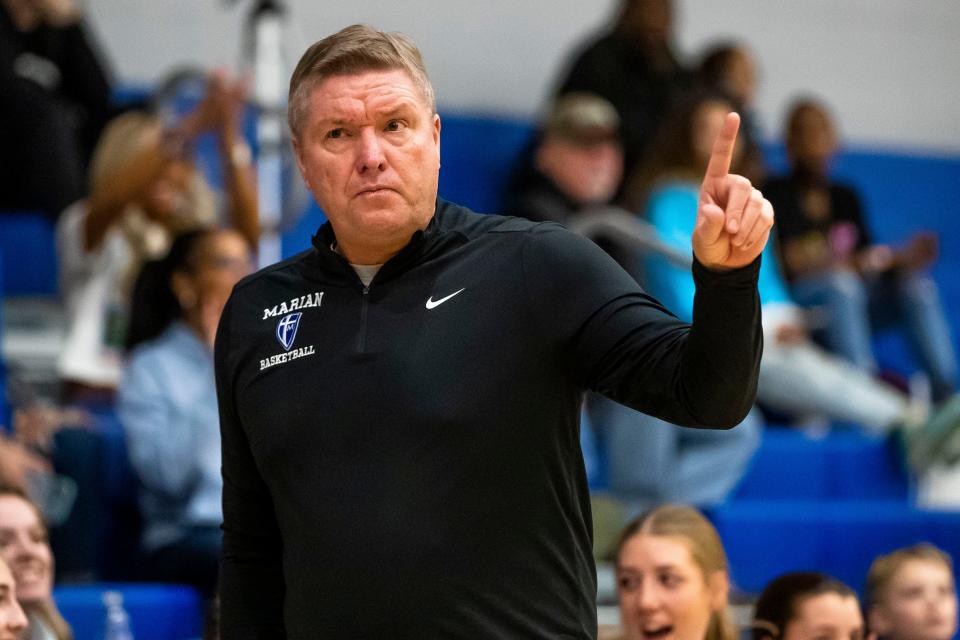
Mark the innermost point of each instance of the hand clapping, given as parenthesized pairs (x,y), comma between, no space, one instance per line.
(733,218)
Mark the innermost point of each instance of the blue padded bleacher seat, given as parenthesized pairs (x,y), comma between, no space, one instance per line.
(845,465)
(29,254)
(157,612)
(764,539)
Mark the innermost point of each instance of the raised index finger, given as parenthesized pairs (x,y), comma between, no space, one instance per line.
(722,154)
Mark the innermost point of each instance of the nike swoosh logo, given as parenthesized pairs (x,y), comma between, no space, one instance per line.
(431,303)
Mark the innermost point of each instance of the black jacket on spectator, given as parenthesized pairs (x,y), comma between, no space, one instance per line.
(642,90)
(54,102)
(534,196)
(843,207)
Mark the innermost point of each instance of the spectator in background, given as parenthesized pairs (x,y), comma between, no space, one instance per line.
(575,168)
(796,377)
(832,261)
(672,578)
(54,102)
(144,191)
(729,70)
(577,164)
(167,404)
(24,547)
(634,66)
(804,606)
(12,619)
(911,595)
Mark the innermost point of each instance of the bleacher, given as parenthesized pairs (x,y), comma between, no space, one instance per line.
(829,503)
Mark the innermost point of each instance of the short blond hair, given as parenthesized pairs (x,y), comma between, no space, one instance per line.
(884,568)
(124,139)
(354,49)
(702,541)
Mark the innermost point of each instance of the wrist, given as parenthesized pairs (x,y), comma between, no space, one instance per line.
(237,152)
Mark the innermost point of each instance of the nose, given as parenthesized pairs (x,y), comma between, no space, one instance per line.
(370,155)
(18,619)
(647,598)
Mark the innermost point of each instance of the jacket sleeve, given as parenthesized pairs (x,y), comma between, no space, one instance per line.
(622,343)
(252,587)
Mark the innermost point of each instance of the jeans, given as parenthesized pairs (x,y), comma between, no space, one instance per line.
(652,462)
(855,307)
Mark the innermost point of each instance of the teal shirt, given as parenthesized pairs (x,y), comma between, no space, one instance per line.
(672,210)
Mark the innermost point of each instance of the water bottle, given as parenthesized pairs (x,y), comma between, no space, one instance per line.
(117,625)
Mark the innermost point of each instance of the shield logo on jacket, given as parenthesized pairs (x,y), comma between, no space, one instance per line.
(287,329)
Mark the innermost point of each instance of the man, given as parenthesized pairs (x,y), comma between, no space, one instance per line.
(574,169)
(575,166)
(399,403)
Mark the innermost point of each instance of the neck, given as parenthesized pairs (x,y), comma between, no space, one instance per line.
(366,255)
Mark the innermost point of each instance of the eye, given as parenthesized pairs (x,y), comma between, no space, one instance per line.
(395,125)
(628,583)
(335,134)
(671,580)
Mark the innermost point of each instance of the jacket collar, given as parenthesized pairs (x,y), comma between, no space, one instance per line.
(423,243)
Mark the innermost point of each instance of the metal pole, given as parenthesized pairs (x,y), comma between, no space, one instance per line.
(266,23)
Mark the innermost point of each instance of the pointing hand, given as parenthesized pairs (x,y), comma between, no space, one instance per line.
(733,218)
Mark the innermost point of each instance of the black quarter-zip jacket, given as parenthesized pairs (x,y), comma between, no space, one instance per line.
(402,460)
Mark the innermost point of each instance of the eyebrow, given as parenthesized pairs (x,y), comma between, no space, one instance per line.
(659,567)
(402,104)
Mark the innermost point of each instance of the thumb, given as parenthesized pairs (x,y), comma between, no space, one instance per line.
(710,222)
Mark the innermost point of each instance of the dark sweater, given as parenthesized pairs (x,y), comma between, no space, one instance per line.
(405,463)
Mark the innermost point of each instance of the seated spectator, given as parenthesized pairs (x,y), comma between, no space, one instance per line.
(796,377)
(24,547)
(635,67)
(167,404)
(54,102)
(144,190)
(729,70)
(911,595)
(12,619)
(807,606)
(575,167)
(672,578)
(833,262)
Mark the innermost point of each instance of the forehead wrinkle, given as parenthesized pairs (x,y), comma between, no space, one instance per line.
(360,97)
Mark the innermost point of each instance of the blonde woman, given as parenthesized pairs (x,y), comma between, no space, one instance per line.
(24,547)
(672,578)
(144,190)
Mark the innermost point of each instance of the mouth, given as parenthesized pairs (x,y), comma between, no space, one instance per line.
(655,633)
(30,574)
(373,191)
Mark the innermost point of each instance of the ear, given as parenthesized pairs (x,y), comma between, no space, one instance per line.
(541,157)
(184,291)
(298,154)
(719,584)
(436,134)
